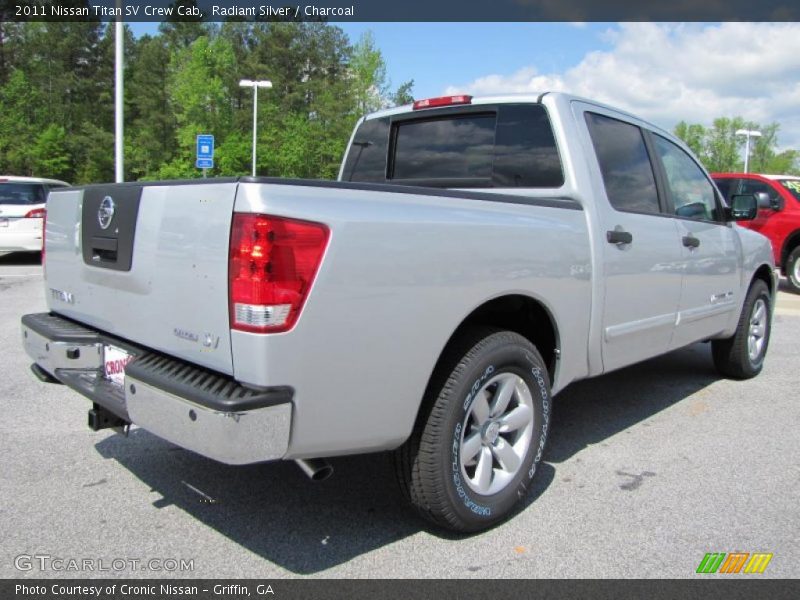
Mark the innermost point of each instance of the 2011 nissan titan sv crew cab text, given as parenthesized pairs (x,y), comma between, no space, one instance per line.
(475,257)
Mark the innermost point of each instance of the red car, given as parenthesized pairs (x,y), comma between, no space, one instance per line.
(778,214)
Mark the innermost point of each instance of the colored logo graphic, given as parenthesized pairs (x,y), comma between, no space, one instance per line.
(735,562)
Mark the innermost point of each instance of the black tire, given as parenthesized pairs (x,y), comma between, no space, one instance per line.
(793,269)
(732,356)
(429,465)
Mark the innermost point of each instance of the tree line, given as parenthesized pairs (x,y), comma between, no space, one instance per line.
(721,150)
(57,98)
(57,101)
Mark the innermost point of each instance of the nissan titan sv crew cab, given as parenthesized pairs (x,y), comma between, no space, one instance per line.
(474,258)
(778,218)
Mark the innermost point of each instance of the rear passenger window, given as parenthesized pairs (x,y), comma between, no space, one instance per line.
(624,163)
(366,160)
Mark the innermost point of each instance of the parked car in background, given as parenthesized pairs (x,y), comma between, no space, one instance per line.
(22,211)
(778,214)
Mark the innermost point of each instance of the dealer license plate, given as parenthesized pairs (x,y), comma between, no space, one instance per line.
(114,361)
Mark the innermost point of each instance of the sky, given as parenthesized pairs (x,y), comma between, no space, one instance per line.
(662,72)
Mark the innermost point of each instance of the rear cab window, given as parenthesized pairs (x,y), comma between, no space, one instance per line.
(507,145)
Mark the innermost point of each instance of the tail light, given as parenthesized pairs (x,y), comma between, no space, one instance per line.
(36,213)
(273,261)
(442,101)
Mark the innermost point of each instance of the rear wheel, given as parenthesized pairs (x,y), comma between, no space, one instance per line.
(480,434)
(742,355)
(793,269)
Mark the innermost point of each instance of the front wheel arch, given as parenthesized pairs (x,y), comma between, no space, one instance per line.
(733,356)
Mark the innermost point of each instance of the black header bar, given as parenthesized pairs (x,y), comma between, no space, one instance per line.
(405,10)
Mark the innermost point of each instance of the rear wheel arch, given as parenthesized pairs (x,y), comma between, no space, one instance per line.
(518,313)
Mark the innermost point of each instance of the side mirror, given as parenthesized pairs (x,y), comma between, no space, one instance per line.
(744,207)
(763,200)
(695,210)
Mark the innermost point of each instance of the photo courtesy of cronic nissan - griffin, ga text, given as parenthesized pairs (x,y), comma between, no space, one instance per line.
(475,256)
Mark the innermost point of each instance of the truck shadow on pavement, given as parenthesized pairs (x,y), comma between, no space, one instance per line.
(591,411)
(274,511)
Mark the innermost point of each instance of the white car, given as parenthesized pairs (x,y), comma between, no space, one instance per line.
(22,211)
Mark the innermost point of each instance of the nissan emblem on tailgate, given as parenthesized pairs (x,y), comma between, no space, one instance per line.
(106,212)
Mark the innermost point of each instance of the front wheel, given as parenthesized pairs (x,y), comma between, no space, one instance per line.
(481,432)
(742,355)
(793,269)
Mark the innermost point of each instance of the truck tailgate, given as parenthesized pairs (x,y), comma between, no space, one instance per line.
(147,263)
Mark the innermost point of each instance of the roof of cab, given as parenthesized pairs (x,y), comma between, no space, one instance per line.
(535,98)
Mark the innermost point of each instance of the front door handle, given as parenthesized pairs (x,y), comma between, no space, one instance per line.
(690,241)
(618,237)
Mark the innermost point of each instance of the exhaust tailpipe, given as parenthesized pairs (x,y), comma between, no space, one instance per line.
(317,469)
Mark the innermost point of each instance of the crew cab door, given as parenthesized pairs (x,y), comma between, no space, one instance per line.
(711,279)
(641,250)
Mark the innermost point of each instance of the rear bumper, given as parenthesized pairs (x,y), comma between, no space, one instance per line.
(21,235)
(20,242)
(190,406)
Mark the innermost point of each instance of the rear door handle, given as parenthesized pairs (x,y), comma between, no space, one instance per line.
(619,237)
(690,241)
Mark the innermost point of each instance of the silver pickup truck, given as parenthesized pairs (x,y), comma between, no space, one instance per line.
(474,258)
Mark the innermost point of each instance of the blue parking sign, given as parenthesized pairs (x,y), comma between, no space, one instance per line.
(205,151)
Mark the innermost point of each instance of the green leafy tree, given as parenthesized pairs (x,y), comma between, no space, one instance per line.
(723,145)
(693,135)
(233,155)
(404,94)
(721,150)
(368,72)
(18,123)
(94,161)
(50,155)
(199,97)
(151,123)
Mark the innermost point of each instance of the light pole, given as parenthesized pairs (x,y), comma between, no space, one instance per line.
(119,83)
(748,133)
(255,85)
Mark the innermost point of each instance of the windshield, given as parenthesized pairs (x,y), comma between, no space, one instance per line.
(793,185)
(22,193)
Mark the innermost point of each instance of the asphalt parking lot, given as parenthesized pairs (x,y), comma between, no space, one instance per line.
(647,470)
